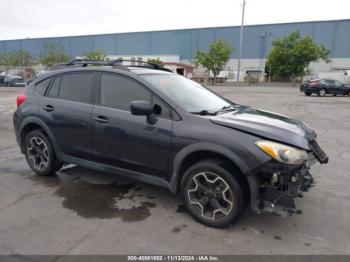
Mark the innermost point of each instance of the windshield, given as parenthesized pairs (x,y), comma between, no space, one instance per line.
(188,94)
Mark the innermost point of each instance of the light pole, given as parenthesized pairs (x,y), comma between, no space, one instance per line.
(240,43)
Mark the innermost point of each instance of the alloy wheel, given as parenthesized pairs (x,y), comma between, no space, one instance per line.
(38,153)
(322,92)
(210,195)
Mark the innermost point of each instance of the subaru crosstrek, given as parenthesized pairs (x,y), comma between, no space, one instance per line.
(154,126)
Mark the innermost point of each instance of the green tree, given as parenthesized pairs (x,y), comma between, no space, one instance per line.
(290,56)
(156,61)
(98,55)
(54,55)
(16,58)
(217,56)
(3,59)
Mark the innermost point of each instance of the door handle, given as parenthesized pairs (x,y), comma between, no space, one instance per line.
(101,119)
(49,108)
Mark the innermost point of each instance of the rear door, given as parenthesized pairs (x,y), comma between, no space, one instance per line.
(67,108)
(125,140)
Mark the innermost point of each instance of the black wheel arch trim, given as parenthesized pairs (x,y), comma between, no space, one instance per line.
(43,125)
(183,153)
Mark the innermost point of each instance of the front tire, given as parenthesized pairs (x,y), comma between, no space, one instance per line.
(211,194)
(40,155)
(307,93)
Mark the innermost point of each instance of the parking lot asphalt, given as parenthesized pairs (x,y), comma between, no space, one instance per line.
(80,211)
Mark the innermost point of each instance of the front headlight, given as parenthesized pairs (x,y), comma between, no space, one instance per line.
(283,153)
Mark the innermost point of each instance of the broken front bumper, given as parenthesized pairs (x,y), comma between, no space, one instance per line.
(274,186)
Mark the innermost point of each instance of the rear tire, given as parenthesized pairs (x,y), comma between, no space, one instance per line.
(211,194)
(322,92)
(40,155)
(307,93)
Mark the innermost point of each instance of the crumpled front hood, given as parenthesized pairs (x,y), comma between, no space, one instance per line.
(267,125)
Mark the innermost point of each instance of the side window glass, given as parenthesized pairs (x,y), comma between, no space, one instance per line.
(118,92)
(53,91)
(338,83)
(77,87)
(160,108)
(42,86)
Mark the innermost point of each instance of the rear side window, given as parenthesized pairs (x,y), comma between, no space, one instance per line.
(42,86)
(53,91)
(118,92)
(77,87)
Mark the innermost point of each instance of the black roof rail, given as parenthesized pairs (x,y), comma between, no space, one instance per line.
(151,65)
(85,62)
(117,63)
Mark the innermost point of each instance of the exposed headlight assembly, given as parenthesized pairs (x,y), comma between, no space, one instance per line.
(283,153)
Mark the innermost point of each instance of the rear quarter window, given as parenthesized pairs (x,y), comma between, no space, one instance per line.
(55,86)
(42,86)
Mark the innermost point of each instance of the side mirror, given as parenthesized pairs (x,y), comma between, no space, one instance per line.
(143,108)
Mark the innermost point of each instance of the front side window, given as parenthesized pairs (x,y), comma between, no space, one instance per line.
(77,87)
(118,92)
(188,94)
(338,83)
(160,108)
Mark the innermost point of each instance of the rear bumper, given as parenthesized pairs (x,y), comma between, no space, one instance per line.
(16,125)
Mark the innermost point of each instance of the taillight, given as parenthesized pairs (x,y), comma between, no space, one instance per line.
(20,99)
(312,84)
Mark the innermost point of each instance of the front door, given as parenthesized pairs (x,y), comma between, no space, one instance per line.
(125,140)
(341,88)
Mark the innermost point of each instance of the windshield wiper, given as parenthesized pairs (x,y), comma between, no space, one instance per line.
(213,113)
(227,109)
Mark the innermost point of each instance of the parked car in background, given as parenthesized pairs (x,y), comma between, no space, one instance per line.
(12,77)
(2,80)
(14,80)
(325,86)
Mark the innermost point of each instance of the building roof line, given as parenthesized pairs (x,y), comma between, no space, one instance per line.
(179,29)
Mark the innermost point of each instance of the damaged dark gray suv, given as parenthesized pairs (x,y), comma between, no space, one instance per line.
(154,126)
